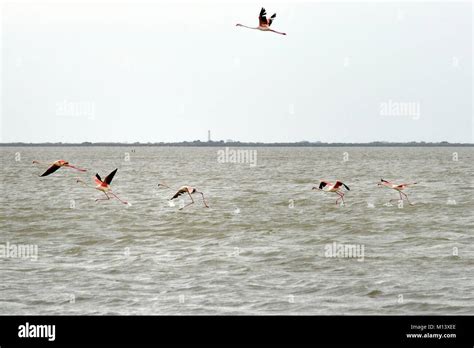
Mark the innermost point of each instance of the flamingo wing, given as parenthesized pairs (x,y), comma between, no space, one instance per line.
(262,18)
(339,184)
(180,192)
(270,21)
(51,169)
(408,184)
(108,178)
(403,186)
(322,184)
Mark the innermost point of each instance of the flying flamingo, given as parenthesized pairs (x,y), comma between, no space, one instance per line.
(104,186)
(396,187)
(329,187)
(56,165)
(189,190)
(264,23)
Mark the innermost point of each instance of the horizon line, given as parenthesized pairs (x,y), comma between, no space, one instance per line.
(212,143)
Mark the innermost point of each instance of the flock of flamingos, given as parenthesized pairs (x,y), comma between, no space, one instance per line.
(104,185)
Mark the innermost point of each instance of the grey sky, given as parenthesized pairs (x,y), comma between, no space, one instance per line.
(169,71)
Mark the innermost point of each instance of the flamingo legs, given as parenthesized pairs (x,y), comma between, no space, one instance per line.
(113,194)
(277,32)
(188,203)
(76,168)
(401,198)
(341,196)
(108,197)
(406,197)
(103,199)
(203,200)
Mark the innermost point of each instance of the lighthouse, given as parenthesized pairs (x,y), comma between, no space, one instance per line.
(208,136)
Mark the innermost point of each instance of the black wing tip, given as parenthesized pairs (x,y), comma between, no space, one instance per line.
(108,179)
(50,170)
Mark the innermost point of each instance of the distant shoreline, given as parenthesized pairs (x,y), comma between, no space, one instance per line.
(241,144)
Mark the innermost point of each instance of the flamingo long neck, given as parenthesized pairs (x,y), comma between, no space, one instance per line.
(83,183)
(41,163)
(245,26)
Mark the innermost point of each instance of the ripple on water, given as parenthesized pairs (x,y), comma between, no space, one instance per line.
(260,248)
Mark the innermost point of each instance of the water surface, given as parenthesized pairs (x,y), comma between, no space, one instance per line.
(258,249)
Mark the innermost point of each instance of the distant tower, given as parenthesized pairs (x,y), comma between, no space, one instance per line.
(209,136)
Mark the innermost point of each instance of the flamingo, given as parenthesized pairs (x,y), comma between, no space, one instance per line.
(56,165)
(264,23)
(329,187)
(104,186)
(396,187)
(186,189)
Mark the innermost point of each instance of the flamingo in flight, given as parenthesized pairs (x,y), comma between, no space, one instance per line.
(104,186)
(397,187)
(189,190)
(329,187)
(56,165)
(263,23)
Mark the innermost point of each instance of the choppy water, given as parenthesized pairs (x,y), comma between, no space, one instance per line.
(254,251)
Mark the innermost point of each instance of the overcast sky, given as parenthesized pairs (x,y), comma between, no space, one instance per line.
(166,71)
